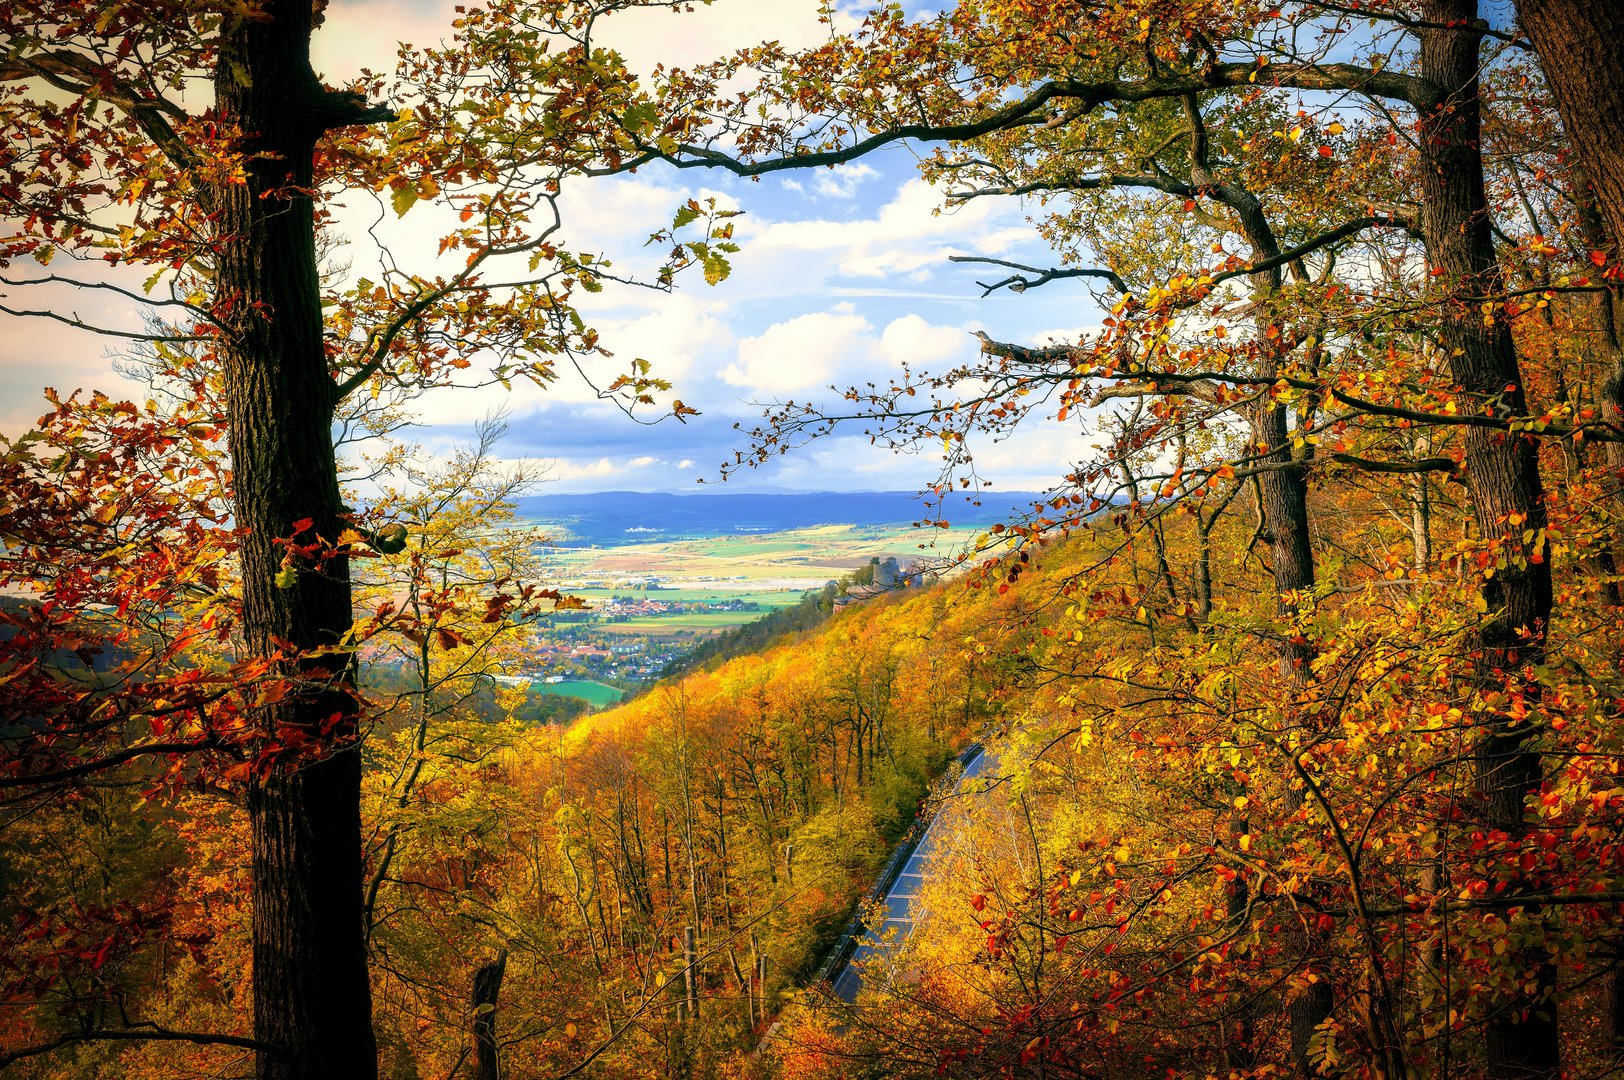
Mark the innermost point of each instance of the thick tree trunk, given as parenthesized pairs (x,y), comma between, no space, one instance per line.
(311,994)
(487,986)
(1503,469)
(1610,350)
(1581,47)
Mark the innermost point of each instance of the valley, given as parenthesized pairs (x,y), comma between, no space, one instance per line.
(654,594)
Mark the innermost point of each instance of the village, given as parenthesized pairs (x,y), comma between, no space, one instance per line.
(582,645)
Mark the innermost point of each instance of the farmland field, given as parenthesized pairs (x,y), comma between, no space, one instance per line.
(649,602)
(696,622)
(796,560)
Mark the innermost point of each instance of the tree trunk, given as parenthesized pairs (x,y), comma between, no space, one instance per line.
(487,985)
(1581,47)
(1503,470)
(311,994)
(1283,499)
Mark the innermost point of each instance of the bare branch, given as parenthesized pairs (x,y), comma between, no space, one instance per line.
(79,324)
(1043,277)
(1477,26)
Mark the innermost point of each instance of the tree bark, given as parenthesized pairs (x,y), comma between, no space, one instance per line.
(311,992)
(1581,48)
(1503,470)
(487,986)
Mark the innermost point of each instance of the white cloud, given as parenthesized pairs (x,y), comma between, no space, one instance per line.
(913,341)
(644,472)
(838,347)
(674,333)
(905,239)
(805,352)
(567,471)
(841,182)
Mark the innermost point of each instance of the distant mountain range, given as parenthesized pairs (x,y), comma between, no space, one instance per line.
(631,517)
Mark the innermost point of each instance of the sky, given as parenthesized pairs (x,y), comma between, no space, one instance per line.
(843,274)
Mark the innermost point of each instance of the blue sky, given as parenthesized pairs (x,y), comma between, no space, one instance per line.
(843,274)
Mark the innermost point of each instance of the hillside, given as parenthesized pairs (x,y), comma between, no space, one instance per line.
(1282,737)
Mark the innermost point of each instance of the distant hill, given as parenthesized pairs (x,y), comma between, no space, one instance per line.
(630,517)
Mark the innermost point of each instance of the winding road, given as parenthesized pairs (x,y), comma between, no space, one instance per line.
(899,900)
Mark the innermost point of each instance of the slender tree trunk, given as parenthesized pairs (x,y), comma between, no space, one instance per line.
(311,993)
(1507,495)
(1613,1009)
(1283,495)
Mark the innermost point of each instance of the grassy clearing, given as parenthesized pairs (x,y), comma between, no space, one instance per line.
(597,693)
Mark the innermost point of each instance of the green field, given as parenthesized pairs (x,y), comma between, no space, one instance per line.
(768,599)
(595,692)
(696,621)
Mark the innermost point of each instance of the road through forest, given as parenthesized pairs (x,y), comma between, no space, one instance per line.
(879,940)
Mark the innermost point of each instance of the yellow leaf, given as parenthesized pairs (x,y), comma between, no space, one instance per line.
(402,199)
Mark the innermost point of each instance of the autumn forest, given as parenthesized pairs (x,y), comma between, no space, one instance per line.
(1297,702)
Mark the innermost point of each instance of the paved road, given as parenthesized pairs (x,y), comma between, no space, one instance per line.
(899,902)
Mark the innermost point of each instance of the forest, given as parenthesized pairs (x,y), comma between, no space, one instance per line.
(1302,693)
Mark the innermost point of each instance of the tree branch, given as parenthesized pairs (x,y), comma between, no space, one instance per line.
(1599,431)
(119,758)
(1021,284)
(1431,464)
(1478,26)
(1341,232)
(345,108)
(145,1033)
(1081,183)
(1088,95)
(78,74)
(79,324)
